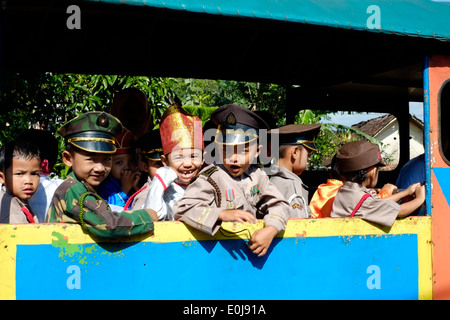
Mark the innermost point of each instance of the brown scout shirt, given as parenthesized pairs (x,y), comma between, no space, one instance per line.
(11,209)
(373,209)
(253,192)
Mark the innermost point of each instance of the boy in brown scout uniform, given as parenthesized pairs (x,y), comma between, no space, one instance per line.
(90,144)
(232,189)
(20,165)
(358,162)
(296,142)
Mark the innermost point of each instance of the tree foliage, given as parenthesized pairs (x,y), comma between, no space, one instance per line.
(47,100)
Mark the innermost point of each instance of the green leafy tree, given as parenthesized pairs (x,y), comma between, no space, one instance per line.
(47,100)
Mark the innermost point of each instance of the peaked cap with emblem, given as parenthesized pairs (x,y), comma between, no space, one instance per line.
(150,145)
(93,131)
(298,134)
(358,155)
(236,124)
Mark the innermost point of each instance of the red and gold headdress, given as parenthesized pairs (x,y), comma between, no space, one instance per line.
(125,142)
(180,130)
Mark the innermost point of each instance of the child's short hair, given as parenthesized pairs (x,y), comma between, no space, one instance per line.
(19,149)
(45,141)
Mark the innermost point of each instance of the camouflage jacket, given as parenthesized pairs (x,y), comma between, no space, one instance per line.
(95,215)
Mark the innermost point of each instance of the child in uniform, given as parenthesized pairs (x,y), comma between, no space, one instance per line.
(20,165)
(150,149)
(358,163)
(117,187)
(48,148)
(231,188)
(182,144)
(90,144)
(296,142)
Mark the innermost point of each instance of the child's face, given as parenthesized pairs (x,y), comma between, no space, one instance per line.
(150,166)
(22,177)
(90,167)
(121,163)
(238,158)
(187,163)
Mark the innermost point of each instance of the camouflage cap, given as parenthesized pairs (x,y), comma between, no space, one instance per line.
(93,131)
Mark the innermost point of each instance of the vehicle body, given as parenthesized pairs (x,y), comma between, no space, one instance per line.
(347,55)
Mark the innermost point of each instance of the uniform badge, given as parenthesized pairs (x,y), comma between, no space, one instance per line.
(231,119)
(297,206)
(255,190)
(229,195)
(103,121)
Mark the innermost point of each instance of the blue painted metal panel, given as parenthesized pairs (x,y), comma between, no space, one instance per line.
(357,267)
(427,142)
(443,177)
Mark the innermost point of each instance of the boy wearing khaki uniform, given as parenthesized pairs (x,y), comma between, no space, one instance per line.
(358,163)
(232,189)
(296,142)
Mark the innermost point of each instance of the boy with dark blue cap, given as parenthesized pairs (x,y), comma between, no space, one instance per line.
(234,188)
(296,142)
(90,143)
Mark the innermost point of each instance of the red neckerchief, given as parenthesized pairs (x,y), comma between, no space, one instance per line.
(28,214)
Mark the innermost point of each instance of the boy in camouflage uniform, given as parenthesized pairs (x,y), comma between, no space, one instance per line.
(90,144)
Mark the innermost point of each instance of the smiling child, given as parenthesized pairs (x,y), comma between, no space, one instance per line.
(182,145)
(90,144)
(233,188)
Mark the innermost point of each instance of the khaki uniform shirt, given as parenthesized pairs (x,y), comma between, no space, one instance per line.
(292,188)
(11,209)
(252,191)
(373,209)
(139,198)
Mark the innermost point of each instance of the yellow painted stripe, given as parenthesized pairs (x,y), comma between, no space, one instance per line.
(174,231)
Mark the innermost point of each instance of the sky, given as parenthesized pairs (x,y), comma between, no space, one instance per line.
(415,108)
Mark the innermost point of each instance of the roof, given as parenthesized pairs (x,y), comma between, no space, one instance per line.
(309,43)
(373,126)
(421,18)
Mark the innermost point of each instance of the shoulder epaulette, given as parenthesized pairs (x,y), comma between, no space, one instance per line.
(207,173)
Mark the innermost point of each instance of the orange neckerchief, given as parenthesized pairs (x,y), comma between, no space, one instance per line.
(322,200)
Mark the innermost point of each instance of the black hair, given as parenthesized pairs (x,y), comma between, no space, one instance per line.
(19,149)
(45,141)
(355,176)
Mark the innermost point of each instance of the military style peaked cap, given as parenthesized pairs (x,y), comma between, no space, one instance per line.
(358,155)
(236,124)
(298,134)
(92,131)
(150,145)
